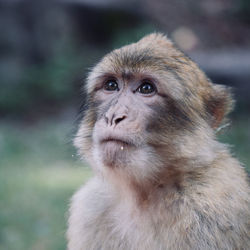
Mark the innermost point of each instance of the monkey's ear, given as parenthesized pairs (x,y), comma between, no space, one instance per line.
(219,104)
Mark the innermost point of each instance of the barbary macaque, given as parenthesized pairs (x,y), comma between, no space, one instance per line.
(162,180)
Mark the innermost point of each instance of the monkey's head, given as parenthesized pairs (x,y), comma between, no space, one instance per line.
(148,108)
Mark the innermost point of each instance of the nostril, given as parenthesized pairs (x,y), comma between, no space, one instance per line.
(117,120)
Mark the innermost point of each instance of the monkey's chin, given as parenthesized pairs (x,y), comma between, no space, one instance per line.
(115,153)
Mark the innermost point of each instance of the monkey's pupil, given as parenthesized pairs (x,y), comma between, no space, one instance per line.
(111,86)
(146,88)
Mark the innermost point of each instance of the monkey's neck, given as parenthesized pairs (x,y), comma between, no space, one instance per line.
(171,185)
(168,186)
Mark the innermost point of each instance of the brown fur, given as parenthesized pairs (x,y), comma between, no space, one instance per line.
(167,183)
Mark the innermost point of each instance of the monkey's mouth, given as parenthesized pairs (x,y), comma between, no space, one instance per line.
(117,141)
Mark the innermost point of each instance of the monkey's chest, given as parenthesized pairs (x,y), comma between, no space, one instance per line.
(142,232)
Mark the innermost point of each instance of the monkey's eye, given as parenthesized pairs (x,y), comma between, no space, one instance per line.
(146,88)
(111,85)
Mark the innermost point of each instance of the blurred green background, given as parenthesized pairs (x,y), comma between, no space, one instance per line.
(46,50)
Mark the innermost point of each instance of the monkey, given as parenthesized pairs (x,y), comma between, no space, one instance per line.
(162,180)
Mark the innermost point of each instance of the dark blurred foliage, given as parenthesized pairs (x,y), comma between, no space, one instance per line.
(47,47)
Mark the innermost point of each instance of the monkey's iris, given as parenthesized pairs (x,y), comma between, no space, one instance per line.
(146,88)
(111,85)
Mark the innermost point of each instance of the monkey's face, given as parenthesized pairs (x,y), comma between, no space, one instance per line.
(126,114)
(147,105)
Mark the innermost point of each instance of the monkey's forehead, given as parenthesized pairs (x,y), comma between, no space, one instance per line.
(133,61)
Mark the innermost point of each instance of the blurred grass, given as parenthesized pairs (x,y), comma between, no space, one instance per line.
(38,175)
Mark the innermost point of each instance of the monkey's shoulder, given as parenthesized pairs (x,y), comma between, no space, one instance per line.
(92,197)
(88,215)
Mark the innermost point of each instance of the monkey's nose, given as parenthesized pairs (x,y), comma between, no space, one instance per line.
(116,114)
(114,119)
